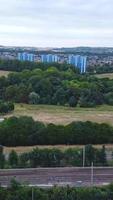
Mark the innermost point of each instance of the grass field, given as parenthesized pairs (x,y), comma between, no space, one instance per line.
(107,75)
(4,73)
(64,115)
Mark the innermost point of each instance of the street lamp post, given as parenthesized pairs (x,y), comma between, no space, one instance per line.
(92,174)
(84,152)
(32,193)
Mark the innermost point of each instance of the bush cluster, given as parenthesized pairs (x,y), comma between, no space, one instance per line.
(6,107)
(18,192)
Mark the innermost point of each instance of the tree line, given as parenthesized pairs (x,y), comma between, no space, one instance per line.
(19,192)
(18,66)
(54,158)
(24,131)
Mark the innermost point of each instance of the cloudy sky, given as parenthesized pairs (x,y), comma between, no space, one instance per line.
(56,23)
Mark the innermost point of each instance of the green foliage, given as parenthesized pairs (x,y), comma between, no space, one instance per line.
(90,98)
(2,158)
(6,107)
(89,155)
(72,101)
(24,131)
(100,69)
(53,84)
(56,158)
(45,158)
(102,156)
(109,98)
(56,193)
(18,66)
(34,98)
(13,159)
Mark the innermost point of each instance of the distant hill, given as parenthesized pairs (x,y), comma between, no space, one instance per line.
(84,50)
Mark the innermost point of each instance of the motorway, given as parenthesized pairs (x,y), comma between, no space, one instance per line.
(48,177)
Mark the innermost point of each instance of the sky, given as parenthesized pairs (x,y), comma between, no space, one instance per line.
(56,23)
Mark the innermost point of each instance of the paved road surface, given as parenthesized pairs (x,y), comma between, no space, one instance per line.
(46,177)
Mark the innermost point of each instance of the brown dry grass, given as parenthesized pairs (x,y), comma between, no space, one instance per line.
(106,75)
(20,150)
(4,73)
(64,115)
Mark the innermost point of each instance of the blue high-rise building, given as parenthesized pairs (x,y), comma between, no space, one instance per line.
(31,57)
(83,64)
(20,56)
(43,58)
(78,61)
(49,58)
(26,57)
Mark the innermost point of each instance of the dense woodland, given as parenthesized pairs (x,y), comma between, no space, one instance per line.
(18,192)
(24,131)
(58,85)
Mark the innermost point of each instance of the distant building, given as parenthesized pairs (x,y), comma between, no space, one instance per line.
(75,60)
(78,61)
(43,58)
(49,58)
(26,57)
(31,57)
(83,64)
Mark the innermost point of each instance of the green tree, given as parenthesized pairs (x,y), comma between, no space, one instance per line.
(102,157)
(72,101)
(89,154)
(13,159)
(2,158)
(34,98)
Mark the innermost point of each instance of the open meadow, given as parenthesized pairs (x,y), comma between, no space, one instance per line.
(106,75)
(63,114)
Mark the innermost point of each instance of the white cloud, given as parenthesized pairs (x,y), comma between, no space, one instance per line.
(56,23)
